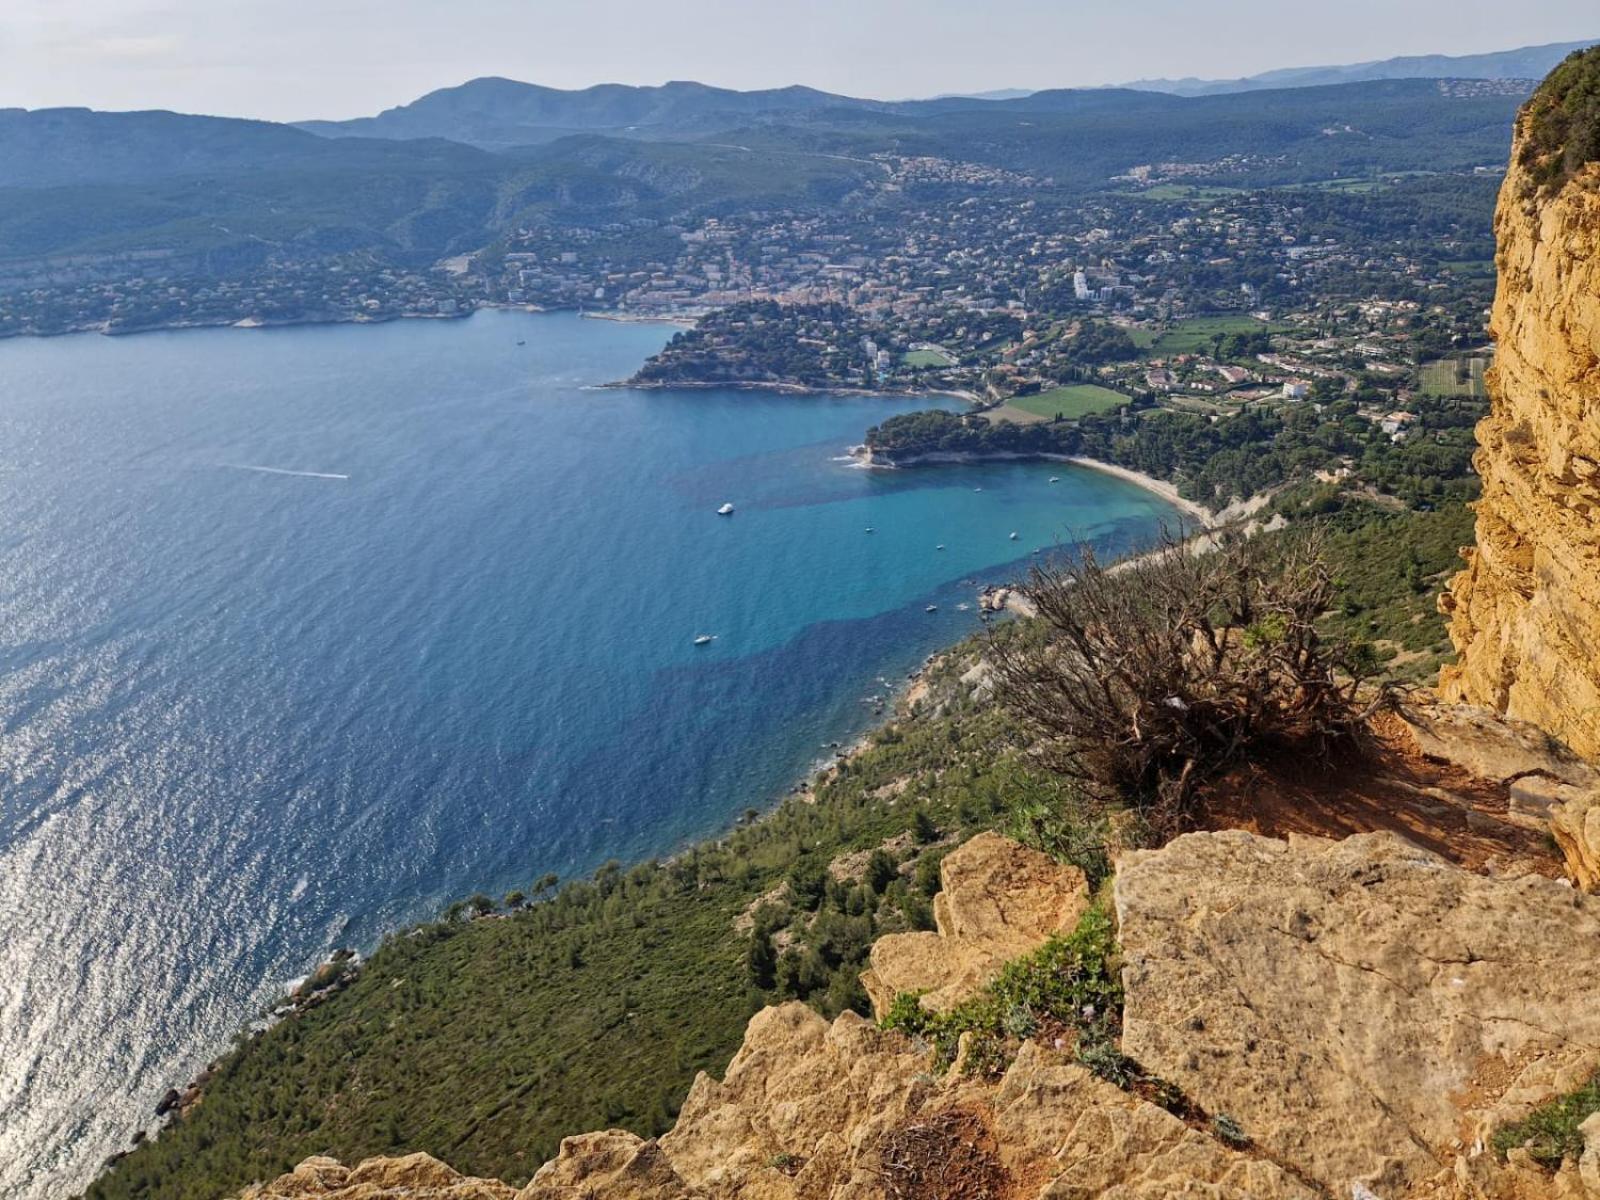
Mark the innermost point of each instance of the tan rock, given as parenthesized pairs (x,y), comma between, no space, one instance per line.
(1525,614)
(415,1176)
(1361,1008)
(1087,1139)
(1490,747)
(801,1103)
(1575,824)
(1589,1164)
(1364,1011)
(617,1164)
(998,899)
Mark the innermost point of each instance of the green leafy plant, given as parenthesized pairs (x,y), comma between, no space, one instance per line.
(1560,124)
(1550,1133)
(1071,984)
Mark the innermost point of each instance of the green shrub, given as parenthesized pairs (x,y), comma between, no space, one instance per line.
(1550,1132)
(1071,983)
(1560,124)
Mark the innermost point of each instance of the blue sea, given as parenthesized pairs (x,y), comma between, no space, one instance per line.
(306,632)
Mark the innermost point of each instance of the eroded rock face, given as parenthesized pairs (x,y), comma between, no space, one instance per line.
(1575,824)
(1525,614)
(616,1163)
(416,1176)
(997,900)
(1365,1011)
(845,1111)
(848,1112)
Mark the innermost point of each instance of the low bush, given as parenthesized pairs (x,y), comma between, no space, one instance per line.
(1550,1133)
(1154,677)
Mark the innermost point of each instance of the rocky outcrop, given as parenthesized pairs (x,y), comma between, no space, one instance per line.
(1366,1012)
(1548,788)
(416,1177)
(1362,1013)
(848,1112)
(1525,614)
(997,900)
(1575,824)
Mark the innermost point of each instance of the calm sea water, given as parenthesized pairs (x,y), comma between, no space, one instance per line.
(304,633)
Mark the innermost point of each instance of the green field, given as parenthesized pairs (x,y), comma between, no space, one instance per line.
(1186,191)
(1473,268)
(1073,401)
(1444,378)
(926,358)
(1195,334)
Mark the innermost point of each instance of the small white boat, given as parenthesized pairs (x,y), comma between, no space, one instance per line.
(1054,479)
(977,489)
(870,529)
(931,608)
(1013,537)
(725,511)
(705,639)
(940,546)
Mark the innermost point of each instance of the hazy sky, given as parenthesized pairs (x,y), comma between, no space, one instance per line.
(289,59)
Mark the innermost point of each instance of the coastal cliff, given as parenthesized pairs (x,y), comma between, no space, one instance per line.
(1298,1019)
(1525,614)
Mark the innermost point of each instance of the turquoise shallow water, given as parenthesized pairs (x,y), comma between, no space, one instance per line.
(246,716)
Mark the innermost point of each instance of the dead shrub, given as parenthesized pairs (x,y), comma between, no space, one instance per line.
(1143,681)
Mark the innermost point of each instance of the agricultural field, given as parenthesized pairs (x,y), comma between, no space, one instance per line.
(1186,191)
(1194,336)
(1073,401)
(1455,377)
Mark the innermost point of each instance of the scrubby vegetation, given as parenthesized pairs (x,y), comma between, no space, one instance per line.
(1389,568)
(1216,462)
(1550,1133)
(1560,125)
(485,1037)
(1145,682)
(1070,988)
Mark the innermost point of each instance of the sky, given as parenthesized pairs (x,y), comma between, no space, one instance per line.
(297,59)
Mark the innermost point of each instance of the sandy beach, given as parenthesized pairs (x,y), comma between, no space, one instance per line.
(1160,487)
(1149,483)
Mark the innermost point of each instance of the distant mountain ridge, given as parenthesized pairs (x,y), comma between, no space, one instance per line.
(55,147)
(1527,62)
(205,194)
(497,113)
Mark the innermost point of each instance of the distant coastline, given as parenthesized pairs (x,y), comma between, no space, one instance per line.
(105,329)
(1159,487)
(786,388)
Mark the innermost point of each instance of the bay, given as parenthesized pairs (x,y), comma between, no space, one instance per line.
(306,632)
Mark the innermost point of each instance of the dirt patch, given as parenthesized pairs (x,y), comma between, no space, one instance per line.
(1388,785)
(950,1155)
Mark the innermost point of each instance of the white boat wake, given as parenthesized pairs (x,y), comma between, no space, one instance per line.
(284,471)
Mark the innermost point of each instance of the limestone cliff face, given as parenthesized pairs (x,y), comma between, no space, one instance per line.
(1525,614)
(1364,1013)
